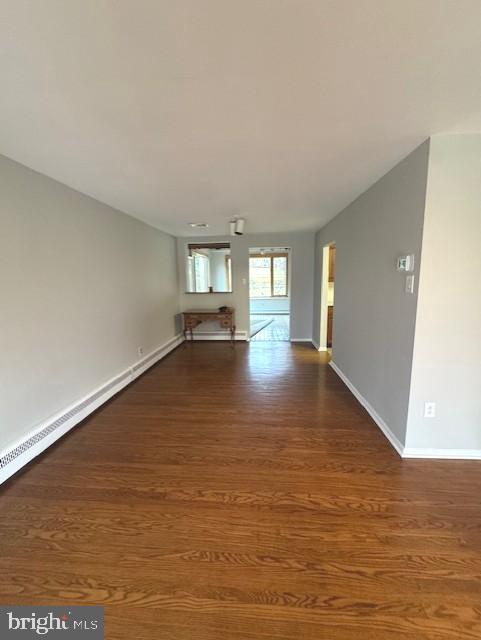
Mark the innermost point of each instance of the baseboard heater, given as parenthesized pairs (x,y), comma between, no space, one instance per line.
(19,454)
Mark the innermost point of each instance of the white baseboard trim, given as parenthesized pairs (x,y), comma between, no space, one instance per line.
(442,454)
(397,444)
(20,453)
(407,452)
(300,339)
(317,346)
(217,335)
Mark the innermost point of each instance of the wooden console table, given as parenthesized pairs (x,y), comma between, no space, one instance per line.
(193,318)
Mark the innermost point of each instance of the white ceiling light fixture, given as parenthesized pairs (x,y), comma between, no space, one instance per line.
(198,225)
(239,226)
(236,226)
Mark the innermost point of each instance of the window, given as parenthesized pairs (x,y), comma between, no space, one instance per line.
(279,275)
(268,275)
(201,271)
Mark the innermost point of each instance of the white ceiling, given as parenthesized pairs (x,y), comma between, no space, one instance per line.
(281,111)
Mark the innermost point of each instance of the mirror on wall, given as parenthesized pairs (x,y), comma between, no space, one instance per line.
(209,268)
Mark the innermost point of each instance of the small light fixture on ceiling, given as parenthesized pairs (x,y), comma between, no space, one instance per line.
(236,226)
(199,225)
(239,226)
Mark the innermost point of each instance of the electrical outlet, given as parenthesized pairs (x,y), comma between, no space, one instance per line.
(140,351)
(429,409)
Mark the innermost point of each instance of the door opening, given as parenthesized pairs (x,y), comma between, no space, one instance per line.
(327,297)
(269,293)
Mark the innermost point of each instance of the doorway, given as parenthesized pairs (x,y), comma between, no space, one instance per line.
(327,296)
(269,294)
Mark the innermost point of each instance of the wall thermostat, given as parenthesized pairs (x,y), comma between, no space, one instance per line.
(405,263)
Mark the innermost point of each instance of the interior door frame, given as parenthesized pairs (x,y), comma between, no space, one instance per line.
(324,294)
(289,283)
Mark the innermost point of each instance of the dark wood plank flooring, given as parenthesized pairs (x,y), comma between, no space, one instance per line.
(242,493)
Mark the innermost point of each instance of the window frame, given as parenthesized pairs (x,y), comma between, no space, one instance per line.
(228,269)
(277,254)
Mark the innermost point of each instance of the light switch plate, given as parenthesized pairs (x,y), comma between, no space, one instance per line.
(409,288)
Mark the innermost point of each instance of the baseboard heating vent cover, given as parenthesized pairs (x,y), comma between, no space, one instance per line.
(11,455)
(152,356)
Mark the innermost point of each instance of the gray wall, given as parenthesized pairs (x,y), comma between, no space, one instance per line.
(374,319)
(447,353)
(82,286)
(302,275)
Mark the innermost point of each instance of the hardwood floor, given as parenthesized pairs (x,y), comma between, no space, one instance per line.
(242,493)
